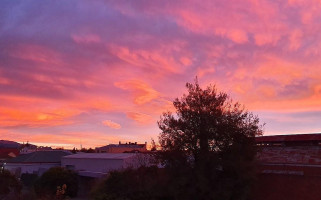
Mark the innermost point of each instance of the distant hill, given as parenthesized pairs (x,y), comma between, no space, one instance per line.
(9,144)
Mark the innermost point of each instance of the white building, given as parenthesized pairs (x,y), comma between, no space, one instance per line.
(35,163)
(99,164)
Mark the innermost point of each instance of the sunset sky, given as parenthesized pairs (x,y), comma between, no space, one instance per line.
(96,72)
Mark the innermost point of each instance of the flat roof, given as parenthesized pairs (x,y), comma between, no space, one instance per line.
(290,138)
(122,146)
(111,156)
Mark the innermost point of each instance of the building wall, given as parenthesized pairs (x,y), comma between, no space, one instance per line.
(93,165)
(37,168)
(291,171)
(123,149)
(309,155)
(287,187)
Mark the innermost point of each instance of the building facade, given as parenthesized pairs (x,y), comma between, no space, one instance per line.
(289,167)
(98,164)
(122,148)
(35,163)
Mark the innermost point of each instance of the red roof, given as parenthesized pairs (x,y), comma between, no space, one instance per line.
(4,152)
(289,138)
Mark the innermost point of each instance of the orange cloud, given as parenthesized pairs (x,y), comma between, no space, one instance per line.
(282,70)
(94,102)
(67,140)
(238,36)
(142,92)
(16,114)
(140,117)
(111,124)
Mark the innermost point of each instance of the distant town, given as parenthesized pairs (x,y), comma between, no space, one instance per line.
(29,158)
(283,159)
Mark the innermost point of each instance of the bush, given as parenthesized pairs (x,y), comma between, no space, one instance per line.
(28,179)
(134,184)
(9,184)
(50,181)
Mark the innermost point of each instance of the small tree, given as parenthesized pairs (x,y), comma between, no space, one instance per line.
(56,177)
(209,142)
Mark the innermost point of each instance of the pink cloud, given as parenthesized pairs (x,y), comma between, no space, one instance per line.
(265,38)
(86,39)
(155,59)
(238,36)
(35,53)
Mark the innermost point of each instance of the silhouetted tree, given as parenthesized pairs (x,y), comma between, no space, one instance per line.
(74,150)
(47,184)
(90,150)
(209,145)
(153,145)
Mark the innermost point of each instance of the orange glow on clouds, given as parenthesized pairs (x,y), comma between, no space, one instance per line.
(106,71)
(141,91)
(111,124)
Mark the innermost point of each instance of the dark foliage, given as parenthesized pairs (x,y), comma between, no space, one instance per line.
(55,177)
(90,150)
(209,144)
(133,184)
(28,179)
(74,150)
(9,183)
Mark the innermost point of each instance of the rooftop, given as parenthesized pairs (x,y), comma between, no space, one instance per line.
(122,145)
(40,157)
(111,156)
(290,138)
(9,144)
(6,153)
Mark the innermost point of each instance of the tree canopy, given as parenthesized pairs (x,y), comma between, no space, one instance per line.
(212,138)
